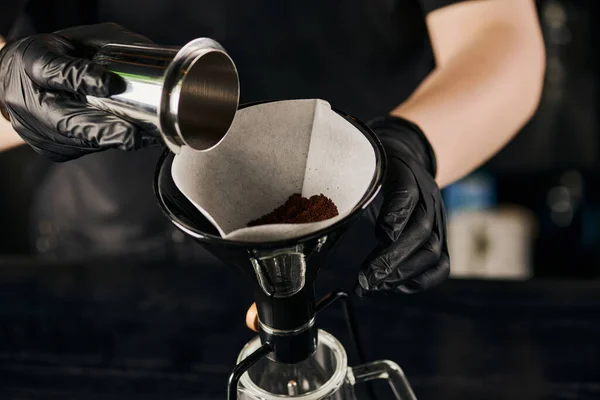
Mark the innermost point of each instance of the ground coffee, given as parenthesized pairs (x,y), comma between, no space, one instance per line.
(298,210)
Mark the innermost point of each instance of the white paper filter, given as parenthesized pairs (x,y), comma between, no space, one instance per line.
(271,151)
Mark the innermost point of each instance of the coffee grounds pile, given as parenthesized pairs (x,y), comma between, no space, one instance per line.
(299,210)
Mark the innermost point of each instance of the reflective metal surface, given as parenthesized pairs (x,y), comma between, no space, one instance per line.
(283,273)
(187,95)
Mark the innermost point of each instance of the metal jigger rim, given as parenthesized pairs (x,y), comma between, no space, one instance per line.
(174,78)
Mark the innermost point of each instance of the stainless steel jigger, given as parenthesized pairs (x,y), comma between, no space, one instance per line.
(188,95)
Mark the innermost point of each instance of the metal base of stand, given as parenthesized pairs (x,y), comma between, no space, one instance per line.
(266,348)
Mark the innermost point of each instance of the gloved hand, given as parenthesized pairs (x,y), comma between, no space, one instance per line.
(43,79)
(412,254)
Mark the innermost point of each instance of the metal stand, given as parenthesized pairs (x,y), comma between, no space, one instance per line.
(340,294)
(244,366)
(266,348)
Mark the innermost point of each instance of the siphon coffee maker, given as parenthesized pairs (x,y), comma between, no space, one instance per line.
(290,358)
(189,97)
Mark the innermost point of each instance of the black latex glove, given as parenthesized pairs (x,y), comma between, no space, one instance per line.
(412,254)
(43,79)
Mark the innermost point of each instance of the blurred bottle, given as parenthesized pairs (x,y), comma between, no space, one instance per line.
(486,241)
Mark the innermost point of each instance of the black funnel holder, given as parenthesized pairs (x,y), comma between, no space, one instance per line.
(283,273)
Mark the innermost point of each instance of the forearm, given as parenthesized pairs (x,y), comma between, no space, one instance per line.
(478,98)
(8,136)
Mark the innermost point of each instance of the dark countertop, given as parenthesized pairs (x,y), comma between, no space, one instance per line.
(125,330)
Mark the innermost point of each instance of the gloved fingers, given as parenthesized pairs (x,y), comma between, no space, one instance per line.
(372,279)
(428,279)
(92,127)
(97,128)
(423,259)
(57,148)
(50,67)
(419,262)
(401,196)
(386,258)
(429,276)
(61,128)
